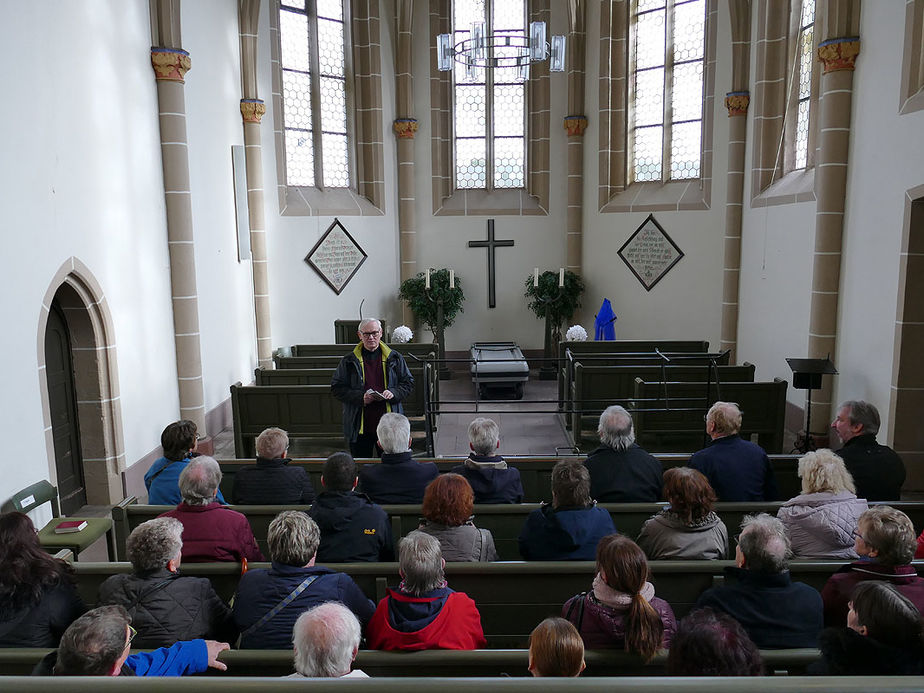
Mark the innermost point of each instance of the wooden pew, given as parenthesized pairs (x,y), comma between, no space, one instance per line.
(421,350)
(681,427)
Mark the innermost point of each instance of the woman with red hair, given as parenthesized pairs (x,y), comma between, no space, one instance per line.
(447,509)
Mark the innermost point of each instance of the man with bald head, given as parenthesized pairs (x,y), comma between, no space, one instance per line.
(621,471)
(370,381)
(738,470)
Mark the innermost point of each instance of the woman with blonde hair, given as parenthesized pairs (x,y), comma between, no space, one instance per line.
(621,610)
(822,520)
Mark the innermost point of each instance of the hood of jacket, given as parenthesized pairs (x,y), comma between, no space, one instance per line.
(410,613)
(567,528)
(339,508)
(672,520)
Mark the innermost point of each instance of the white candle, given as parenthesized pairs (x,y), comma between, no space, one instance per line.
(452,279)
(427,282)
(561,277)
(535,277)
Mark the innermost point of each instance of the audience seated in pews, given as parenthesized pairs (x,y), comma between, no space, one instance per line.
(822,520)
(268,602)
(326,639)
(447,515)
(353,528)
(272,481)
(689,527)
(883,636)
(556,649)
(738,470)
(621,610)
(423,613)
(99,644)
(570,527)
(620,471)
(211,532)
(398,478)
(164,606)
(179,441)
(491,479)
(712,643)
(776,612)
(38,597)
(877,470)
(885,543)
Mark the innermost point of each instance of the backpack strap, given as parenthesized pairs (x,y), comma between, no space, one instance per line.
(579,603)
(269,615)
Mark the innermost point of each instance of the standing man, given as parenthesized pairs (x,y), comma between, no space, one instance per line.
(371,381)
(877,470)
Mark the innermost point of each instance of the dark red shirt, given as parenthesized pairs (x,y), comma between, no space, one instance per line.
(374,378)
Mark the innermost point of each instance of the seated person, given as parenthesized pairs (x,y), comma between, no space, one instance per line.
(447,510)
(882,637)
(38,596)
(622,611)
(569,528)
(211,532)
(165,607)
(689,527)
(885,543)
(353,528)
(423,613)
(491,479)
(877,470)
(326,639)
(620,471)
(269,601)
(822,520)
(179,441)
(99,644)
(737,469)
(272,481)
(556,649)
(397,478)
(712,643)
(776,612)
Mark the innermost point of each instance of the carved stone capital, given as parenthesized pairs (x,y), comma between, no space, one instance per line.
(839,54)
(252,110)
(405,128)
(737,103)
(170,64)
(575,125)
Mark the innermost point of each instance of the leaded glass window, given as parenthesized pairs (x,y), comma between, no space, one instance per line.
(667,45)
(803,76)
(312,36)
(489,113)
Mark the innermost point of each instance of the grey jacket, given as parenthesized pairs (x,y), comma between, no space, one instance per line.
(463,543)
(821,525)
(665,536)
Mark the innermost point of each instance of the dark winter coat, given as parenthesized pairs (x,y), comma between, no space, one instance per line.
(624,476)
(845,652)
(272,482)
(604,627)
(398,478)
(565,534)
(353,529)
(877,470)
(839,587)
(43,623)
(738,470)
(491,479)
(215,533)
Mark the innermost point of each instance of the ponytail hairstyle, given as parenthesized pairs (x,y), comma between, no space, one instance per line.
(624,568)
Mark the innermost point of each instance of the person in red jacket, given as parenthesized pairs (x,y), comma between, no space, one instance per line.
(423,613)
(211,532)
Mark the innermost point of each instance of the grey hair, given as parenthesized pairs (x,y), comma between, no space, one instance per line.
(863,413)
(616,429)
(890,532)
(420,562)
(483,434)
(326,638)
(368,321)
(821,470)
(293,538)
(93,643)
(272,443)
(199,480)
(726,416)
(152,544)
(764,544)
(394,432)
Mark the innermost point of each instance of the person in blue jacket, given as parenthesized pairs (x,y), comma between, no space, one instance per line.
(162,480)
(99,644)
(570,527)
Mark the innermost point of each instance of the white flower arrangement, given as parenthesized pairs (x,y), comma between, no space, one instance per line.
(402,335)
(576,333)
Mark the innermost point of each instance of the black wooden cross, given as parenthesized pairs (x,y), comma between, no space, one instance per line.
(490,244)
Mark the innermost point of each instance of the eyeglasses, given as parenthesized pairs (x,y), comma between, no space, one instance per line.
(131,636)
(371,334)
(857,535)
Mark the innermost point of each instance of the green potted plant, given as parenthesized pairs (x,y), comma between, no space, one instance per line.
(553,296)
(435,304)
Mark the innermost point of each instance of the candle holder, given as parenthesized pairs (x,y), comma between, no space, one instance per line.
(554,296)
(436,302)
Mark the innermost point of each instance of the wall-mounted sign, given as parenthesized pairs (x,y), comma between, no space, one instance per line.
(650,253)
(336,256)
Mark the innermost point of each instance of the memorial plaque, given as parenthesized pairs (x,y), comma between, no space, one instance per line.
(336,256)
(650,253)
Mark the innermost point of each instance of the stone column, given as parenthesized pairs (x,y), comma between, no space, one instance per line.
(252,110)
(736,102)
(575,126)
(405,127)
(170,66)
(836,94)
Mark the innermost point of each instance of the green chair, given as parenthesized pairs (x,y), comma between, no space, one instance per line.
(43,492)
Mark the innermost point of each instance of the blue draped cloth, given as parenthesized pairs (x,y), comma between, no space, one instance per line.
(604,322)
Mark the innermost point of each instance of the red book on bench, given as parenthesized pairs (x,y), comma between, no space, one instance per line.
(70,526)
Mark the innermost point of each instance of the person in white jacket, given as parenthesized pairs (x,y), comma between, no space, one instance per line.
(821,521)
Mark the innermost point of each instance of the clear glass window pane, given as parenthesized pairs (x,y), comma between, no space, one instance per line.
(296,99)
(646,5)
(808,12)
(802,126)
(333,105)
(687,91)
(508,15)
(299,158)
(470,163)
(646,159)
(508,110)
(297,4)
(470,111)
(806,55)
(686,141)
(330,47)
(649,44)
(330,9)
(649,97)
(509,162)
(336,162)
(689,31)
(293,39)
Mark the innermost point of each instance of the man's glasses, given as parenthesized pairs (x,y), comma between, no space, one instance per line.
(131,636)
(371,334)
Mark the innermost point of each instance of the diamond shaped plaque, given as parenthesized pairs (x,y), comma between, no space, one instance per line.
(650,253)
(336,256)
